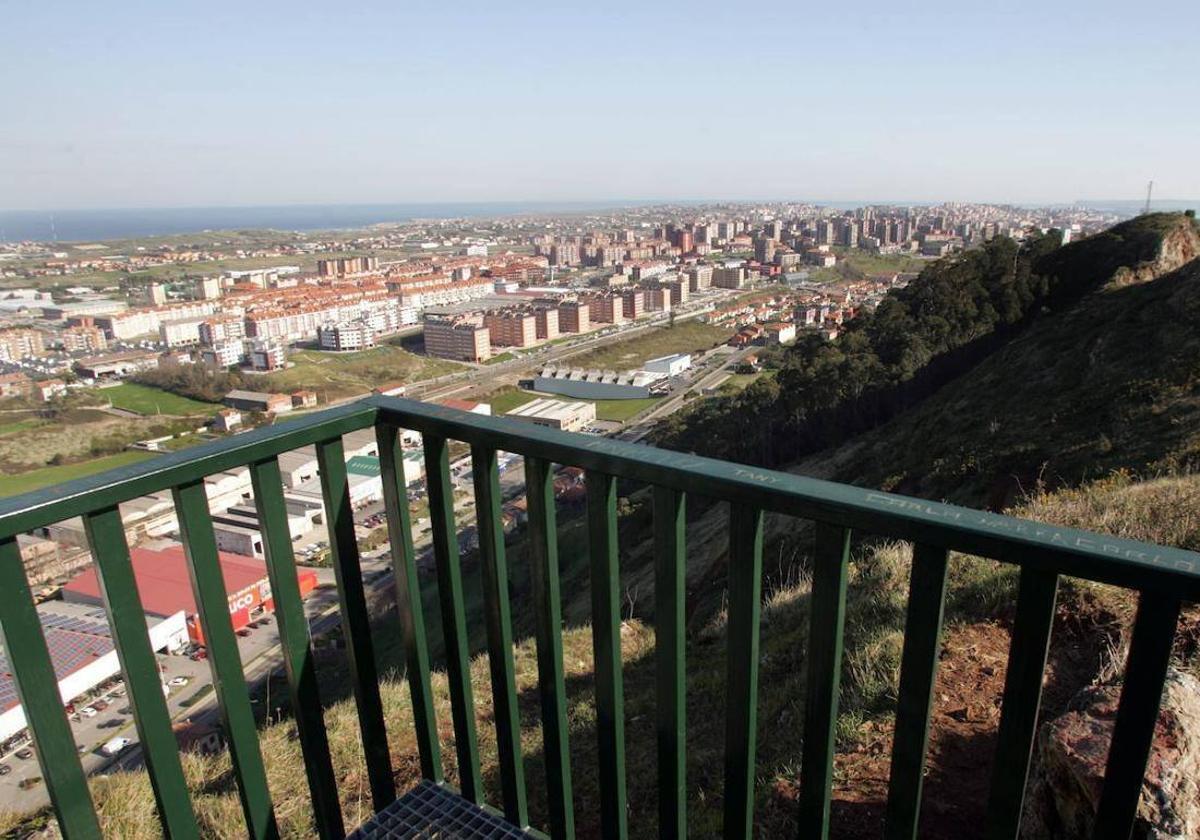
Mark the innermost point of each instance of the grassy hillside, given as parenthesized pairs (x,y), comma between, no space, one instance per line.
(336,376)
(1113,382)
(971,679)
(960,311)
(684,337)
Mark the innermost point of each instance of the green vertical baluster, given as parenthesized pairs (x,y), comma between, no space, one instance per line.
(454,621)
(741,707)
(499,633)
(37,687)
(606,644)
(356,623)
(1022,698)
(127,621)
(296,647)
(543,542)
(224,659)
(670,569)
(1137,714)
(408,599)
(827,622)
(918,671)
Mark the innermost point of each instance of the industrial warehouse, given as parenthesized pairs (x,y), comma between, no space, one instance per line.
(612,385)
(166,589)
(82,652)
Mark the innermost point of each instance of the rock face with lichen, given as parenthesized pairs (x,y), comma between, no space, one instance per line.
(1068,777)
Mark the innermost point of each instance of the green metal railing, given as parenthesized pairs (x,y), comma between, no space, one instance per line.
(1163,577)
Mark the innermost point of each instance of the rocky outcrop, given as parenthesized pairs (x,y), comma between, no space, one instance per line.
(1178,247)
(1067,779)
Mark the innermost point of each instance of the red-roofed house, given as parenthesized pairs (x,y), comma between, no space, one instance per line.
(468,405)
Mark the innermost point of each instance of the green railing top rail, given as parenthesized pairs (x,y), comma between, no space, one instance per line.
(1066,550)
(1069,551)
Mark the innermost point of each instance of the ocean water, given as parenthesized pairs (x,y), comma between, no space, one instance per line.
(125,223)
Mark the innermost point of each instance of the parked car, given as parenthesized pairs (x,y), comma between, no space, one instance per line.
(24,753)
(176,682)
(115,747)
(88,711)
(243,632)
(5,769)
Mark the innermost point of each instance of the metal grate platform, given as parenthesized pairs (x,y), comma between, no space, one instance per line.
(431,812)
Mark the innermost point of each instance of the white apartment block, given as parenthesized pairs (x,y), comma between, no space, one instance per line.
(347,336)
(383,314)
(440,295)
(180,333)
(224,353)
(146,321)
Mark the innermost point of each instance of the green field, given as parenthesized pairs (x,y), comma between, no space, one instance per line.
(335,376)
(684,337)
(857,265)
(12,485)
(506,399)
(144,399)
(11,427)
(619,411)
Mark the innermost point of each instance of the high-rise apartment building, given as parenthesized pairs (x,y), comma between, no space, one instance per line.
(511,329)
(574,316)
(729,278)
(699,277)
(547,322)
(461,339)
(607,309)
(17,344)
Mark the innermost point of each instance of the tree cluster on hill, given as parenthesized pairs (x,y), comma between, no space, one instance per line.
(954,314)
(197,382)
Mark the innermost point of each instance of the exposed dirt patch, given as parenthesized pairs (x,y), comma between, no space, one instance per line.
(966,715)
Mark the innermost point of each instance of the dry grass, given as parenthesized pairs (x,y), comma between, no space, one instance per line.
(979,591)
(69,436)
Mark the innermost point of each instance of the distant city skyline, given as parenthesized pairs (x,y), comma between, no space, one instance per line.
(224,105)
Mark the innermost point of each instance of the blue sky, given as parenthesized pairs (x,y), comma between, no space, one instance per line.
(171,104)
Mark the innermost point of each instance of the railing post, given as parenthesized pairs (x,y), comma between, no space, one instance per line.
(1141,695)
(918,672)
(454,620)
(356,623)
(408,599)
(606,646)
(224,659)
(37,688)
(127,620)
(1022,698)
(543,545)
(741,707)
(670,578)
(494,568)
(827,619)
(296,648)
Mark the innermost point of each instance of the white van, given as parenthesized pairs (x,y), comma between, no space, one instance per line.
(115,747)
